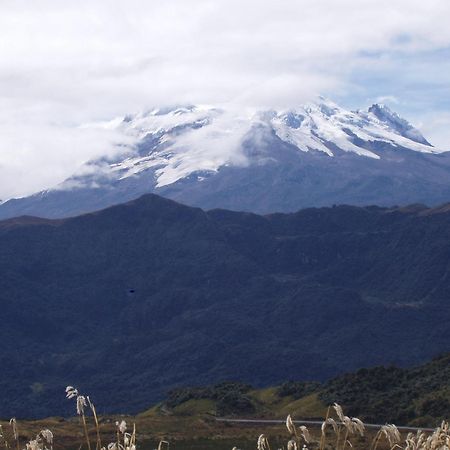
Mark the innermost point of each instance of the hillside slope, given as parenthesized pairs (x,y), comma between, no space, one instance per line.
(128,302)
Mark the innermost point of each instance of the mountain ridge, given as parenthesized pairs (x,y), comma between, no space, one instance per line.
(185,296)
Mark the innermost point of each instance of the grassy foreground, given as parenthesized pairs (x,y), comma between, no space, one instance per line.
(160,429)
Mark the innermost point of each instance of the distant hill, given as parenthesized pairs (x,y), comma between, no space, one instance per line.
(132,301)
(419,396)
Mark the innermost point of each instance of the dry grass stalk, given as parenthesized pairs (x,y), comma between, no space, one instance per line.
(390,432)
(346,424)
(98,444)
(80,400)
(323,428)
(295,435)
(43,441)
(15,430)
(263,443)
(163,444)
(290,426)
(129,440)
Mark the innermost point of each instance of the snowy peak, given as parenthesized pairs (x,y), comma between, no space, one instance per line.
(175,143)
(397,123)
(324,126)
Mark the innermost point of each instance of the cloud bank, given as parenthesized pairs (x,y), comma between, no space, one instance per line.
(64,64)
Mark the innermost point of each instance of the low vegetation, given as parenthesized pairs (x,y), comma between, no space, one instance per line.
(418,396)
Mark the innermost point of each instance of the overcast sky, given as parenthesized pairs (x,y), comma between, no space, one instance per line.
(67,63)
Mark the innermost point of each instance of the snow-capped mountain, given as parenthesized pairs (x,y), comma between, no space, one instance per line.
(263,161)
(182,141)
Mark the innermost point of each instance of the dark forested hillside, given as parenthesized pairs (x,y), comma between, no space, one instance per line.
(131,301)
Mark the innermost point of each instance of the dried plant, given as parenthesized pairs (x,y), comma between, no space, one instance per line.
(80,400)
(162,445)
(15,430)
(390,432)
(297,434)
(43,441)
(263,443)
(290,426)
(97,426)
(344,424)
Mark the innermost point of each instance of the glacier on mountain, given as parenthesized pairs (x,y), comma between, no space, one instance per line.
(178,142)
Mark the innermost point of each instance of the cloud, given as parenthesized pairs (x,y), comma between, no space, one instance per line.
(438,126)
(388,99)
(63,64)
(38,155)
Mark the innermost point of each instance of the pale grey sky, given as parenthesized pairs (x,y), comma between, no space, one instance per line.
(67,63)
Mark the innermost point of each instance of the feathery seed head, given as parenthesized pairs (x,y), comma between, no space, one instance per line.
(290,425)
(81,403)
(47,435)
(91,405)
(71,392)
(332,422)
(392,434)
(163,444)
(292,445)
(263,443)
(122,426)
(339,411)
(358,425)
(347,422)
(305,434)
(13,423)
(33,445)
